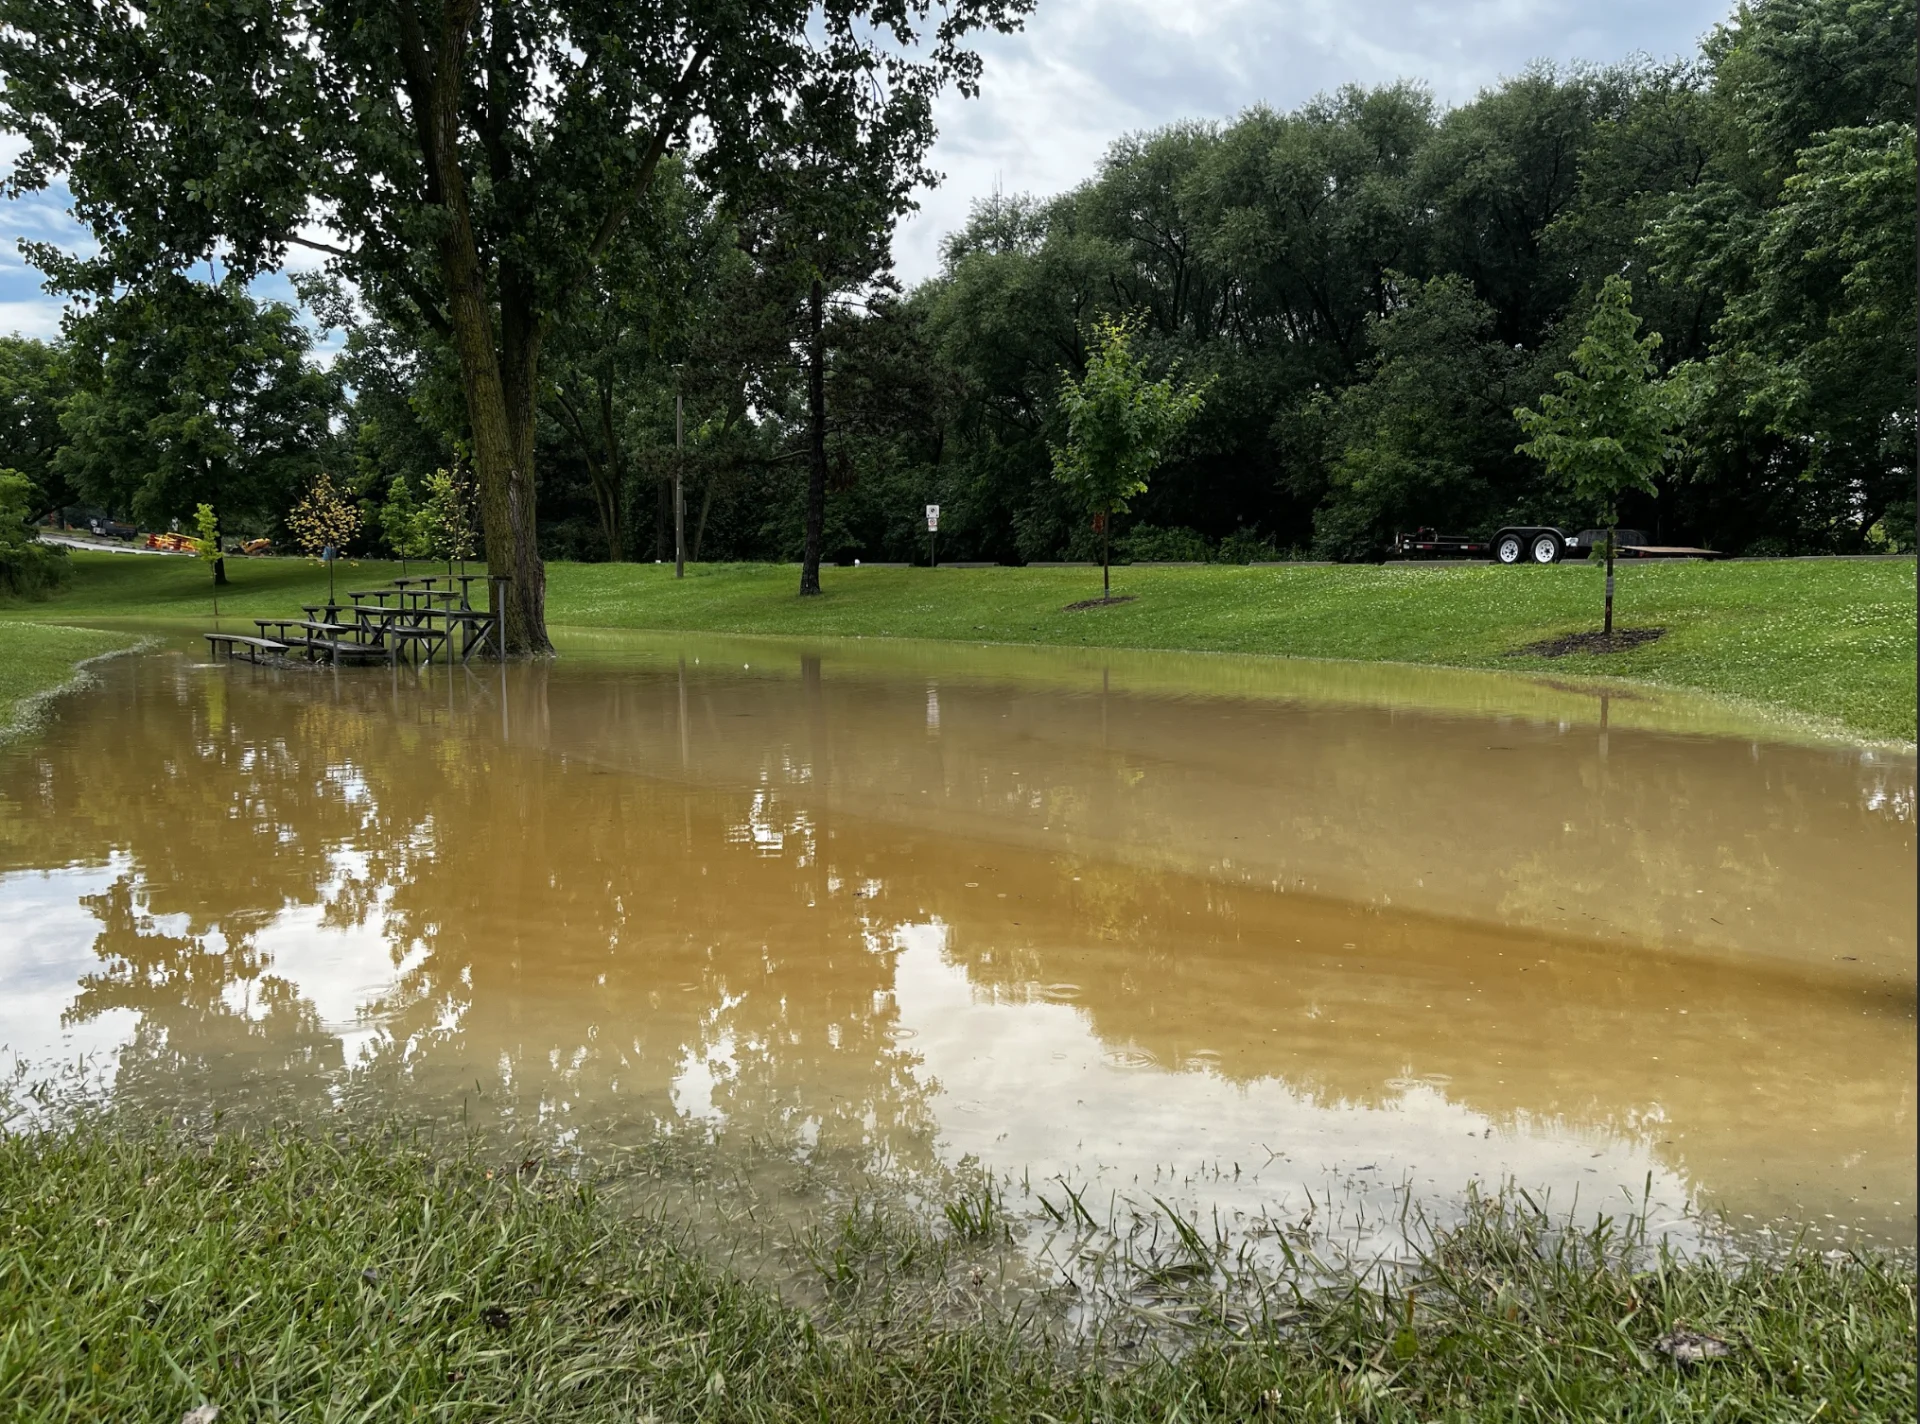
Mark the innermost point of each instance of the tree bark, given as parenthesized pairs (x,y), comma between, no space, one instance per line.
(706,503)
(817,440)
(604,476)
(1106,562)
(496,382)
(609,483)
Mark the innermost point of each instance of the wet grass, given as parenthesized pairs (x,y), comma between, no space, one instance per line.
(1829,640)
(37,660)
(277,1276)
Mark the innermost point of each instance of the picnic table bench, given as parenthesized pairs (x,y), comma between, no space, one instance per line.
(233,642)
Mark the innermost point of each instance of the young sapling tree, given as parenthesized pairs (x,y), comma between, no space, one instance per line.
(1119,425)
(322,523)
(447,517)
(206,544)
(1610,427)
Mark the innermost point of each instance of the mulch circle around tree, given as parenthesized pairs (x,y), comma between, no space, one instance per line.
(1098,603)
(1620,641)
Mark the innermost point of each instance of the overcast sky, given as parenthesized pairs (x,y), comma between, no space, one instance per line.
(1084,72)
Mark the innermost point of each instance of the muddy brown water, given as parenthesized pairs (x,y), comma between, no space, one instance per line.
(1231,933)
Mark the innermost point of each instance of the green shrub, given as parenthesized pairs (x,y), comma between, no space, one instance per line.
(1150,544)
(28,568)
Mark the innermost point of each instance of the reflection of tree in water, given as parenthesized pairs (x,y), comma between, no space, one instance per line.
(582,940)
(214,1025)
(567,941)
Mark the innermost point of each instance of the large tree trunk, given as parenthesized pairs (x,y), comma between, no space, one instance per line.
(502,445)
(817,440)
(497,382)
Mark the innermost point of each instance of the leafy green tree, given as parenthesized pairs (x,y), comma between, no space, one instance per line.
(1427,437)
(33,385)
(1119,425)
(1799,229)
(195,394)
(1610,427)
(446,516)
(26,565)
(403,523)
(472,164)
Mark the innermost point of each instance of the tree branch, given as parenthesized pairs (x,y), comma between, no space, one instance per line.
(616,215)
(325,247)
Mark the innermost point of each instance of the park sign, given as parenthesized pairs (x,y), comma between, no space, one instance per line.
(933,518)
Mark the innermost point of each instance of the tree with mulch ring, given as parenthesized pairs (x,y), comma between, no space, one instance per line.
(1623,641)
(1610,427)
(1119,425)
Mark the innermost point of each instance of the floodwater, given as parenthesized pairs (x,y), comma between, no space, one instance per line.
(1227,932)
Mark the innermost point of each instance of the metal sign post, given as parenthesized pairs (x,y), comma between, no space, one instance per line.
(933,527)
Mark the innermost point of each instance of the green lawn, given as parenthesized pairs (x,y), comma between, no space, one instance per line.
(1828,640)
(36,659)
(289,1278)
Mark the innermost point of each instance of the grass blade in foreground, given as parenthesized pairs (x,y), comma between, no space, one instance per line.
(290,1278)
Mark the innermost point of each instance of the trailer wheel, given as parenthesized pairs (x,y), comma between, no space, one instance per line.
(1508,548)
(1546,549)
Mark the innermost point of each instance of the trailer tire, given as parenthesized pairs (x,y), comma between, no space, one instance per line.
(1508,549)
(1546,548)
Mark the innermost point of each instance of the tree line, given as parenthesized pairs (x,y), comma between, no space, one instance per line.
(687,213)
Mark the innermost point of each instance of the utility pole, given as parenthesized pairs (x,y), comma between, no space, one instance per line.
(679,489)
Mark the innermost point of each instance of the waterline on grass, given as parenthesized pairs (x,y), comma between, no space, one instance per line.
(31,712)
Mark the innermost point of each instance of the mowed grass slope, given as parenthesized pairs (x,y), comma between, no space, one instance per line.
(1830,640)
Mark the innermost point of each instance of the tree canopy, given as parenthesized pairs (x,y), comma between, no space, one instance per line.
(465,165)
(540,225)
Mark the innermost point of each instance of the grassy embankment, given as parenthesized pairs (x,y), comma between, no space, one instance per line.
(1828,640)
(37,661)
(285,1278)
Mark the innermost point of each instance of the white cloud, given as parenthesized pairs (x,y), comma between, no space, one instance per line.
(40,319)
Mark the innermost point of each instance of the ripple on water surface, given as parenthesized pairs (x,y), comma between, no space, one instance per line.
(1228,932)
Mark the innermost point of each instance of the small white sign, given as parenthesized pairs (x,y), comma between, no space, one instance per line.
(933,517)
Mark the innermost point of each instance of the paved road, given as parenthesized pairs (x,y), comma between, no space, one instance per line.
(88,544)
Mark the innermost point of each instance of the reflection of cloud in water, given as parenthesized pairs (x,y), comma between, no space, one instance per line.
(703,1069)
(1028,1086)
(339,969)
(335,969)
(50,935)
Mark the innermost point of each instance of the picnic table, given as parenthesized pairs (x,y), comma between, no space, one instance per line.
(421,617)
